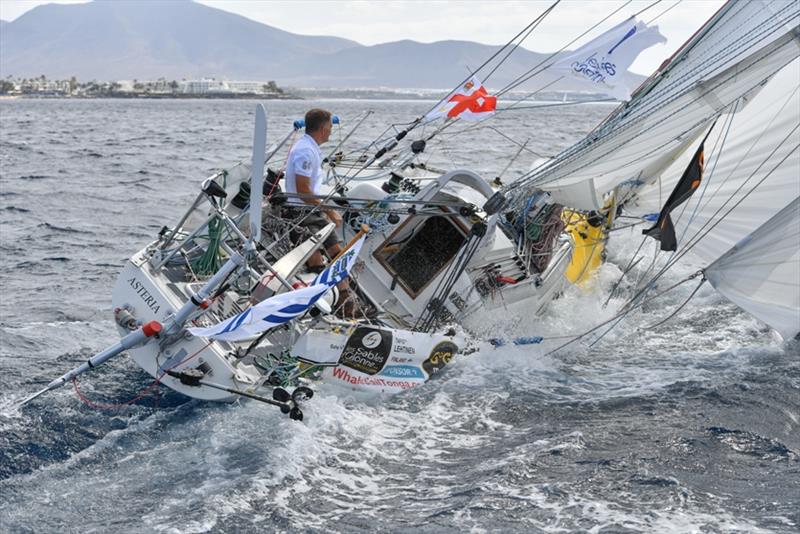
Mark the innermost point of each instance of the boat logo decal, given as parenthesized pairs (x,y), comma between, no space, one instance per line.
(372,340)
(440,356)
(367,350)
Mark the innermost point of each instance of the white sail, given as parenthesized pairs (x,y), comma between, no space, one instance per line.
(761,274)
(752,163)
(730,57)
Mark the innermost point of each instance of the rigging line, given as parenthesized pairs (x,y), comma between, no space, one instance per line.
(530,72)
(558,104)
(522,146)
(673,314)
(662,13)
(646,8)
(541,18)
(624,272)
(331,153)
(596,341)
(527,96)
(513,159)
(643,277)
(622,123)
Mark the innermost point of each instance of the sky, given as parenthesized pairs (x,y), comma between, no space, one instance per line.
(483,21)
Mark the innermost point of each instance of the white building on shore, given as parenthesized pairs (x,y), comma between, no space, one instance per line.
(212,85)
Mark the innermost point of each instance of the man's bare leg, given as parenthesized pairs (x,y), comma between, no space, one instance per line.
(334,251)
(315,263)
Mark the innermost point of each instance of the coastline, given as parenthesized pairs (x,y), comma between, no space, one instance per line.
(156,96)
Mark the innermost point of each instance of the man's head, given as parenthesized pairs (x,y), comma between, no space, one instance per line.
(319,125)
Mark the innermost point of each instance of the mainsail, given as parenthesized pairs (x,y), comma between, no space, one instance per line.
(752,163)
(732,56)
(745,220)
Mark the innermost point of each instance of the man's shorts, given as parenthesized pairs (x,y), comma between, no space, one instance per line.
(311,224)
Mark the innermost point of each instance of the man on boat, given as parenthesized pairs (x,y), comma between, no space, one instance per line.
(303,181)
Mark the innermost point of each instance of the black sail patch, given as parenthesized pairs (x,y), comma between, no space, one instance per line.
(367,350)
(664,230)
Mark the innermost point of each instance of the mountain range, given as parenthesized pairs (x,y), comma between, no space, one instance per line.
(127,39)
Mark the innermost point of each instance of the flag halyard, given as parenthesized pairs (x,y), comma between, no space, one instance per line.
(664,230)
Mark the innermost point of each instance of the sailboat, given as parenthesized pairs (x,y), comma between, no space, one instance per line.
(221,304)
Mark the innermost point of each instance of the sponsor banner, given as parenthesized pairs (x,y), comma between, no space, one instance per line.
(367,350)
(403,371)
(361,381)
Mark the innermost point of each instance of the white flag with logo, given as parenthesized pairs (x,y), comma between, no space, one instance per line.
(602,64)
(284,307)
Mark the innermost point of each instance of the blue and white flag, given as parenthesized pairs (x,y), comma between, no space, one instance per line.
(602,64)
(284,307)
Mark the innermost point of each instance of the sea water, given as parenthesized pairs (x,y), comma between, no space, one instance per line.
(689,426)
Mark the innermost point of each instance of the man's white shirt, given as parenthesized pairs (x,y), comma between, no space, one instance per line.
(305,159)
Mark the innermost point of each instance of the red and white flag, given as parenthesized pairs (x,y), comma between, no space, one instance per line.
(470,102)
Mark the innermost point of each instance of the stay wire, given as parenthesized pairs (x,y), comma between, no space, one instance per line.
(465,80)
(673,314)
(663,13)
(624,272)
(533,27)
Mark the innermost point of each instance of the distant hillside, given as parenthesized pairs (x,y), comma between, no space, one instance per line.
(404,64)
(123,39)
(126,39)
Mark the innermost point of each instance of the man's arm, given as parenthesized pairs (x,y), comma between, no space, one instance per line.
(303,185)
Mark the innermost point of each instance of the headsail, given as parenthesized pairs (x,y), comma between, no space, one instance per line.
(761,274)
(732,56)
